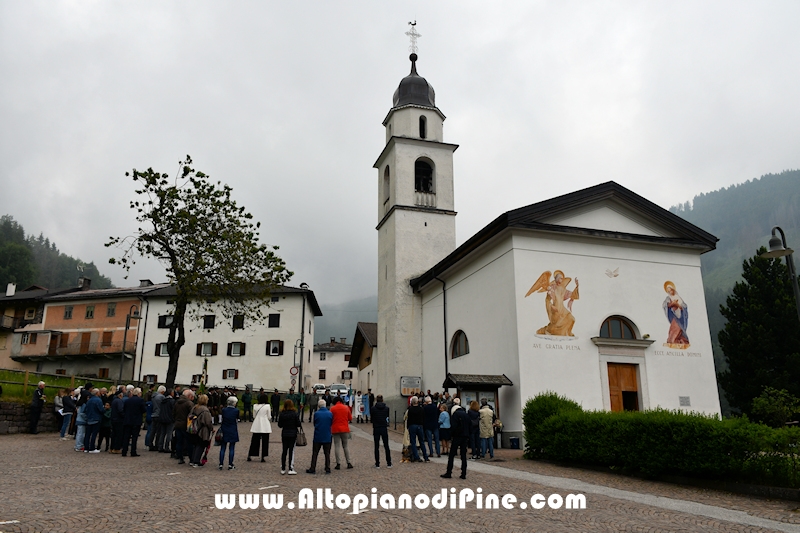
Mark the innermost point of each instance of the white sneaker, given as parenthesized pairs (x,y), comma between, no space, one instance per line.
(292,473)
(283,472)
(95,451)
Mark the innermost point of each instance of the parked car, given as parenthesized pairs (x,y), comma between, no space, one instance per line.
(339,389)
(319,388)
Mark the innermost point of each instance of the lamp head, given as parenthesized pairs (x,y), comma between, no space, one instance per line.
(776,248)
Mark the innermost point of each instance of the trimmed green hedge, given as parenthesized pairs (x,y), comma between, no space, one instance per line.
(661,442)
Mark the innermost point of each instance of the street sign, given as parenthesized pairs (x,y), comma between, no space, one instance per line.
(294,370)
(294,381)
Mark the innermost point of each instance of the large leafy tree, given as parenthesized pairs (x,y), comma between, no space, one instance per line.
(761,339)
(208,244)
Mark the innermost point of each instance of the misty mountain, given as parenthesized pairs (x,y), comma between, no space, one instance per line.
(339,320)
(742,217)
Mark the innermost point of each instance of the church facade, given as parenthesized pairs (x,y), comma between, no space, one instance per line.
(596,295)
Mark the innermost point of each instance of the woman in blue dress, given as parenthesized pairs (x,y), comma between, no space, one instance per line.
(230,431)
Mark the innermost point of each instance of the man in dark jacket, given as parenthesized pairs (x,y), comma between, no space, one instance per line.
(275,401)
(167,423)
(380,430)
(133,411)
(37,403)
(431,425)
(117,417)
(416,419)
(459,430)
(181,414)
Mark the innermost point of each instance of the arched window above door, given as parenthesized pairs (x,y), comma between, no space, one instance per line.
(616,327)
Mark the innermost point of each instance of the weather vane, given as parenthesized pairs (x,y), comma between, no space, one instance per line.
(413,35)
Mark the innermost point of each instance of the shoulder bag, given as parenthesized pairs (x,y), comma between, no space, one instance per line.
(301,438)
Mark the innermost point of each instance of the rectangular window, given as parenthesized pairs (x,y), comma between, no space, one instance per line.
(29,338)
(322,356)
(208,321)
(151,379)
(238,322)
(274,348)
(236,349)
(30,313)
(206,349)
(61,371)
(230,373)
(111,310)
(347,374)
(102,372)
(107,335)
(165,321)
(161,350)
(89,311)
(197,378)
(67,312)
(347,357)
(64,340)
(274,321)
(275,299)
(322,373)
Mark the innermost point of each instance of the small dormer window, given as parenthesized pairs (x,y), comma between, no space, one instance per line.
(423,127)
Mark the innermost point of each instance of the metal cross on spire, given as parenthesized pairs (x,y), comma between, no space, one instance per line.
(413,35)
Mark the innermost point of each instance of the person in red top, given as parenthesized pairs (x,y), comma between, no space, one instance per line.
(341,430)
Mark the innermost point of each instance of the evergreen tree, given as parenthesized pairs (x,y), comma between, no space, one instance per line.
(761,340)
(16,261)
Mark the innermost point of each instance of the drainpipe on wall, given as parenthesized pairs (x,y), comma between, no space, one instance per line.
(302,340)
(140,345)
(444,316)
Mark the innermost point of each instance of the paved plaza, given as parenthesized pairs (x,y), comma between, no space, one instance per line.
(47,487)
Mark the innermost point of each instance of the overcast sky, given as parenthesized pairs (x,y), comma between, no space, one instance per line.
(284,102)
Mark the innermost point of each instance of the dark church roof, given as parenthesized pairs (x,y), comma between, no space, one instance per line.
(366,334)
(414,89)
(531,216)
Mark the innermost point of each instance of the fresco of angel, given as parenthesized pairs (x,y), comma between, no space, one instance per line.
(559,314)
(678,316)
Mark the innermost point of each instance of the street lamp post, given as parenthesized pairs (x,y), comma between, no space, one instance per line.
(778,248)
(132,315)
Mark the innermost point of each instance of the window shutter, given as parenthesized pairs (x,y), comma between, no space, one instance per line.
(213,348)
(236,374)
(230,348)
(224,374)
(241,350)
(267,352)
(158,349)
(280,348)
(199,348)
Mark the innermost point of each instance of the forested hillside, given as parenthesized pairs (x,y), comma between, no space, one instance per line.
(33,260)
(742,217)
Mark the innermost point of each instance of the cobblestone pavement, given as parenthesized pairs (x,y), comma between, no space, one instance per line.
(46,487)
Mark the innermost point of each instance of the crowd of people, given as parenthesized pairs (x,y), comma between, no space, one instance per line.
(184,423)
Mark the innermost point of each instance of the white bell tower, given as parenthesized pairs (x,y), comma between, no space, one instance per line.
(416,226)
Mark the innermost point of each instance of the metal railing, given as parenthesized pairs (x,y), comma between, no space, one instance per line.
(85,348)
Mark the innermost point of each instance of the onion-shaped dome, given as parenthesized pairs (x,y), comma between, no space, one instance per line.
(414,89)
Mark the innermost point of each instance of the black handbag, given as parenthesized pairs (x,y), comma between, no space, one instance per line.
(301,438)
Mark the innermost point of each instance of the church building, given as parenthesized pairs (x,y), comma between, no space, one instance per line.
(596,294)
